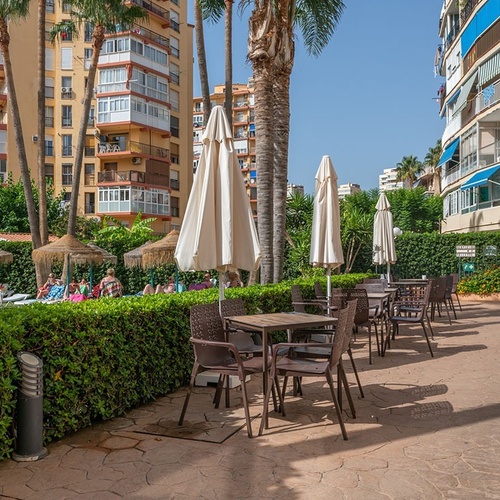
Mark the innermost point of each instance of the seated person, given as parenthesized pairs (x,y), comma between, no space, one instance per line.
(110,286)
(234,280)
(44,290)
(208,281)
(74,286)
(56,292)
(167,288)
(84,287)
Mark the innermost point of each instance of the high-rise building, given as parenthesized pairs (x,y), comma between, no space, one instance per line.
(387,181)
(138,149)
(293,189)
(347,189)
(243,132)
(469,60)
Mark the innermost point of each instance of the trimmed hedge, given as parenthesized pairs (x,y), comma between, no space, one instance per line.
(104,357)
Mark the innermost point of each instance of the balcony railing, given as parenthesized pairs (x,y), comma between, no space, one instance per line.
(156,9)
(151,35)
(467,10)
(121,176)
(134,147)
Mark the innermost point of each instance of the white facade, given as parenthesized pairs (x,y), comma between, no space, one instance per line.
(347,189)
(388,180)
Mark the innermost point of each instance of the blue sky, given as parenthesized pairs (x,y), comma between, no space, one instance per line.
(367,101)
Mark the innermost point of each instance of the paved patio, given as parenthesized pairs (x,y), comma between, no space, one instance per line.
(427,428)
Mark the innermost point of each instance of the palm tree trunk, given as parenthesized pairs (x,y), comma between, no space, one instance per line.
(261,54)
(42,188)
(97,41)
(228,51)
(202,60)
(283,66)
(18,135)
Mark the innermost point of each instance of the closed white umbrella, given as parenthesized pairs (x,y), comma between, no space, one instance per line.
(384,249)
(326,245)
(218,230)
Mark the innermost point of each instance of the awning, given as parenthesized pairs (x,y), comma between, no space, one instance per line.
(480,178)
(464,93)
(449,152)
(449,102)
(489,69)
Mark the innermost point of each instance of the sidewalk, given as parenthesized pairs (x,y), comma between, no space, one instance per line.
(427,428)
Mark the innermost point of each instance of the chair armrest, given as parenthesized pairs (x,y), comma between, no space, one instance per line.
(226,345)
(294,345)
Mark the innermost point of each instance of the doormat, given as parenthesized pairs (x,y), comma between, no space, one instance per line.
(213,427)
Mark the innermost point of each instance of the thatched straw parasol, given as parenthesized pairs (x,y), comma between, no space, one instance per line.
(67,246)
(6,257)
(134,257)
(161,252)
(107,257)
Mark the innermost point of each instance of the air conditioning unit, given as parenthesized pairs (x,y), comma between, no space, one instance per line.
(66,90)
(34,138)
(136,160)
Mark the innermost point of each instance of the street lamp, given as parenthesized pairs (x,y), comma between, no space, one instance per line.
(397,232)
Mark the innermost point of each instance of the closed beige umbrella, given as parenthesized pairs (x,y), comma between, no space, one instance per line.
(218,231)
(107,257)
(160,252)
(384,248)
(326,244)
(133,258)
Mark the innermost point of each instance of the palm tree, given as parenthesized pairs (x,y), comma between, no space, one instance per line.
(11,10)
(42,188)
(105,17)
(317,22)
(408,169)
(431,160)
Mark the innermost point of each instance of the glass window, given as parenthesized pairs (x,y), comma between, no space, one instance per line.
(66,114)
(67,174)
(67,145)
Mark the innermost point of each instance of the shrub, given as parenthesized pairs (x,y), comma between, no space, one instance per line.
(482,283)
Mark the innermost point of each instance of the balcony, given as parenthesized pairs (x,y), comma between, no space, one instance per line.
(155,9)
(133,147)
(151,35)
(128,176)
(467,10)
(133,199)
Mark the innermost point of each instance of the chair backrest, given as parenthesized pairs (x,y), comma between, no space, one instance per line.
(455,282)
(362,305)
(232,307)
(320,294)
(338,338)
(349,323)
(206,324)
(449,287)
(415,296)
(438,289)
(338,299)
(296,299)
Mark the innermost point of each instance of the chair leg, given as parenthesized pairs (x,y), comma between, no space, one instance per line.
(427,337)
(329,379)
(343,380)
(458,300)
(447,310)
(245,405)
(339,387)
(196,367)
(452,305)
(349,352)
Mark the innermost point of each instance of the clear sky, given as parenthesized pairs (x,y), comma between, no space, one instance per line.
(367,101)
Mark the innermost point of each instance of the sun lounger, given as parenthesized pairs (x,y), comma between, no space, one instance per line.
(16,297)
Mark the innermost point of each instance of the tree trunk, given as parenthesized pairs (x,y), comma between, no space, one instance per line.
(261,54)
(202,60)
(283,66)
(228,53)
(18,135)
(97,41)
(42,188)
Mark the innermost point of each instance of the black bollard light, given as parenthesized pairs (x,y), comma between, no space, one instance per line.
(29,421)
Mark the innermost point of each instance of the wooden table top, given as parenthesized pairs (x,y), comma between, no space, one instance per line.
(281,321)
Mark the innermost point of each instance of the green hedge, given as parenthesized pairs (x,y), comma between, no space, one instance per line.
(103,357)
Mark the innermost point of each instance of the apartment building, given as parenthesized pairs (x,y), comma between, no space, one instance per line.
(469,61)
(138,151)
(387,181)
(243,132)
(294,189)
(347,189)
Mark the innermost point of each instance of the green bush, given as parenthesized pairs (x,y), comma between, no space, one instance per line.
(483,283)
(103,357)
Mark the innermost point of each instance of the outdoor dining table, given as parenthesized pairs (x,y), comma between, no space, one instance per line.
(271,322)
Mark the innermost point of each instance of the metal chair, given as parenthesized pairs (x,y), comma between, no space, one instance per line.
(437,297)
(302,367)
(299,303)
(411,308)
(212,352)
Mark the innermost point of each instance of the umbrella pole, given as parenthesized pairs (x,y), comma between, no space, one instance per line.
(176,279)
(221,287)
(91,276)
(388,272)
(152,277)
(68,274)
(328,289)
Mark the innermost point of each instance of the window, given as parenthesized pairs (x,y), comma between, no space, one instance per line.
(49,173)
(174,21)
(49,59)
(174,206)
(49,145)
(66,7)
(3,171)
(66,58)
(87,57)
(90,203)
(89,145)
(67,174)
(91,120)
(174,74)
(49,116)
(174,126)
(49,88)
(49,6)
(67,145)
(174,180)
(174,100)
(89,28)
(67,116)
(174,47)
